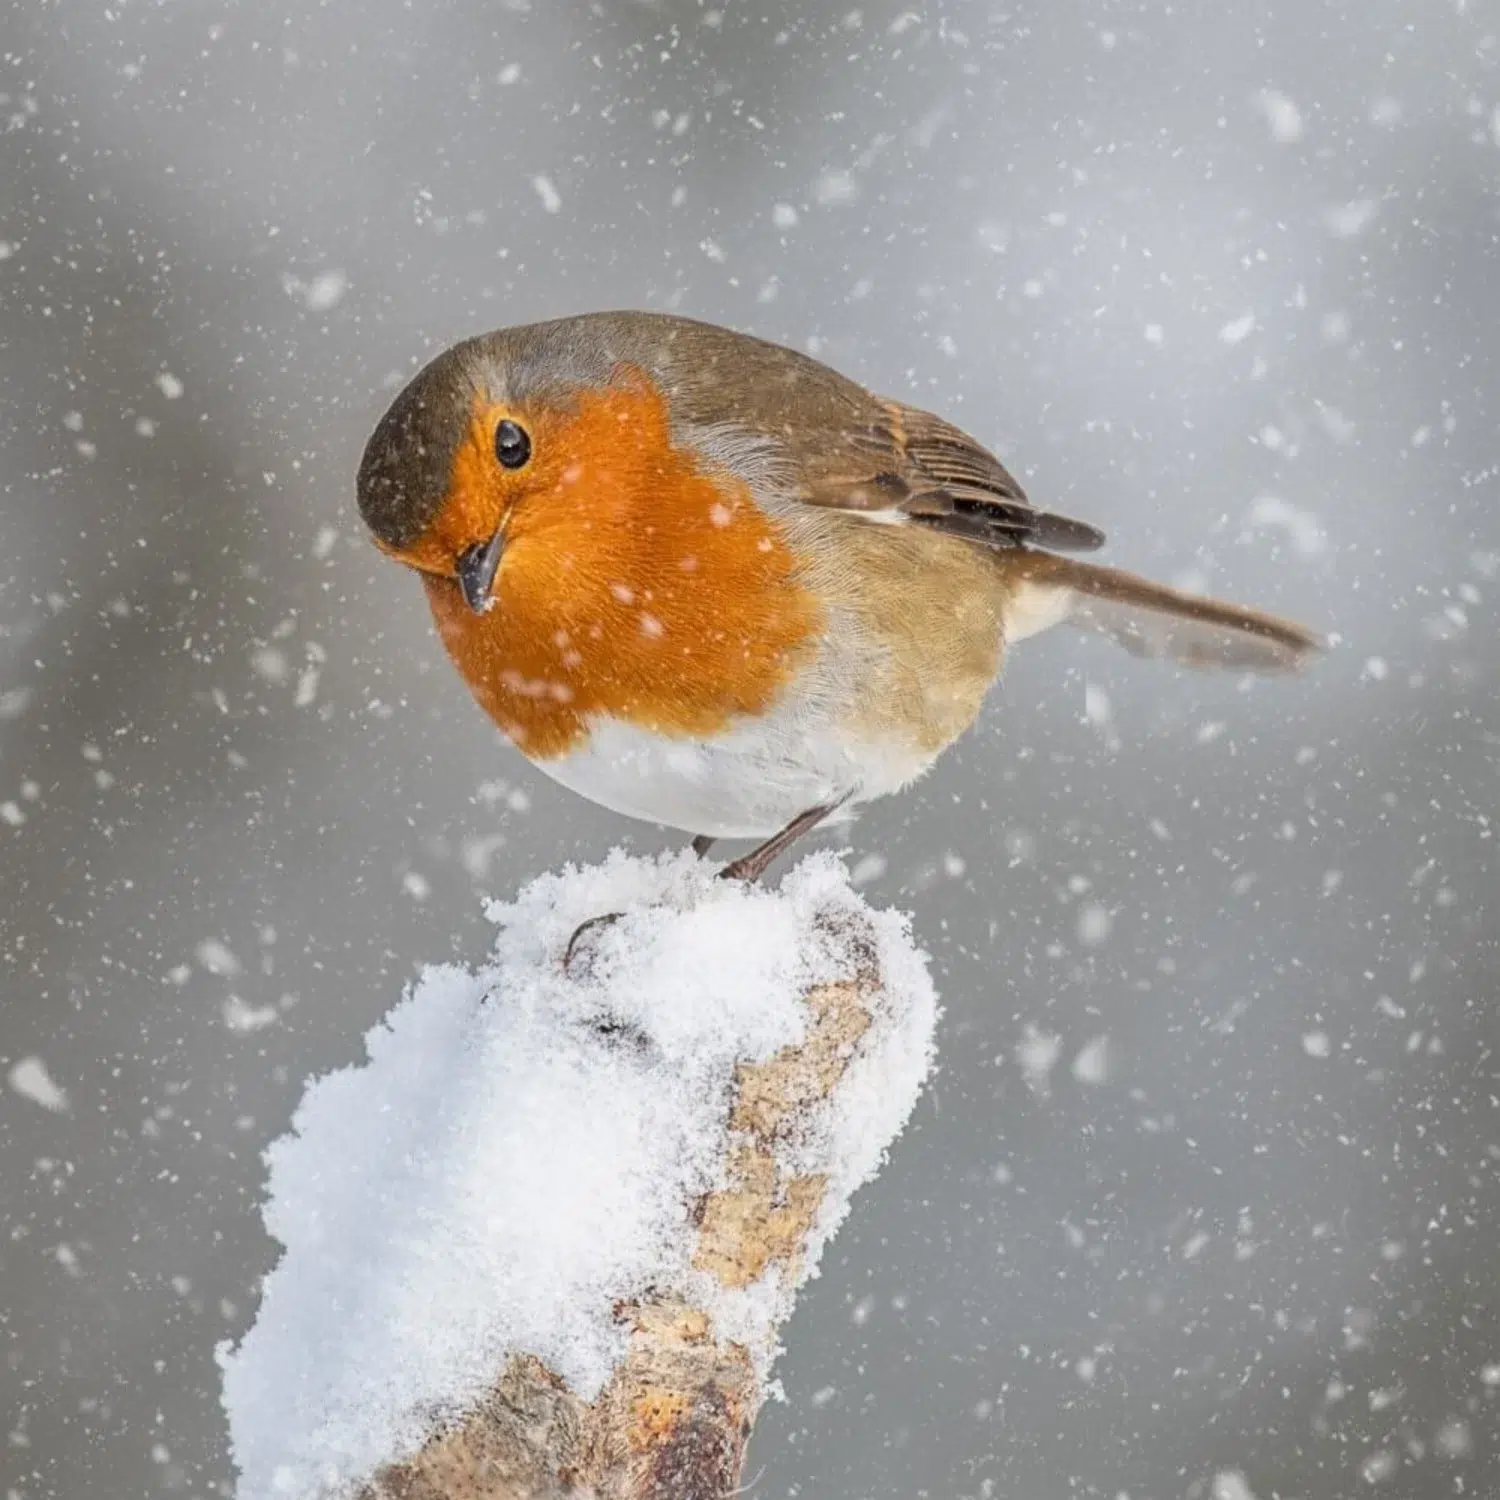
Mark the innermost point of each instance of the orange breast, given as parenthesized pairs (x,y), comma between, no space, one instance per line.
(634,584)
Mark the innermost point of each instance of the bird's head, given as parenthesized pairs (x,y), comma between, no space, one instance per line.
(529,440)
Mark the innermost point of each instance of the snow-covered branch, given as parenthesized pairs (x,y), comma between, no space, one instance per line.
(543,1242)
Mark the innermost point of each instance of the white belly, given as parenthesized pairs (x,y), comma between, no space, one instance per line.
(747,783)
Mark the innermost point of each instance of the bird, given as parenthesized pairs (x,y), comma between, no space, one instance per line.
(709,582)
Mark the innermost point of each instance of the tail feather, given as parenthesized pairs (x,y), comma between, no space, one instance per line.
(1149,619)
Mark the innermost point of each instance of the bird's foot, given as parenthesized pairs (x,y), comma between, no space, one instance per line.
(578,956)
(749,868)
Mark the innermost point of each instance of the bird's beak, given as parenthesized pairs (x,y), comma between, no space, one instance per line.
(477,566)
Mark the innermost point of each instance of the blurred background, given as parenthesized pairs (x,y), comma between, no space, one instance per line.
(1203,1201)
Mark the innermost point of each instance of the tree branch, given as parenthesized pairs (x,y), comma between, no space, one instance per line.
(794,1131)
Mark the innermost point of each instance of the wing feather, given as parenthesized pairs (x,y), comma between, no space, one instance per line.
(936,475)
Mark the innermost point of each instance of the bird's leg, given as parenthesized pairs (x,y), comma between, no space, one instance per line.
(750,867)
(702,844)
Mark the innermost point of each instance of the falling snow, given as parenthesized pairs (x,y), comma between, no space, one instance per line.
(1284,120)
(1237,330)
(1038,1053)
(1214,1127)
(31,1080)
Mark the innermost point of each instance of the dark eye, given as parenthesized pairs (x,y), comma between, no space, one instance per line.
(512,446)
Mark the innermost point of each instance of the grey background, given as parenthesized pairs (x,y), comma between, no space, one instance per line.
(1230,1254)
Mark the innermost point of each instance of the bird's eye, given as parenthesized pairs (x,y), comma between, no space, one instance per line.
(512,446)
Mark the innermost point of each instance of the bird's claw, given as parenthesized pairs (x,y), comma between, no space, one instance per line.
(581,943)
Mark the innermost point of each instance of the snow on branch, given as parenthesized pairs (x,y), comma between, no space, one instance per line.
(543,1242)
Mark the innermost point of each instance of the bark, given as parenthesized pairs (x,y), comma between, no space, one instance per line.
(673,1421)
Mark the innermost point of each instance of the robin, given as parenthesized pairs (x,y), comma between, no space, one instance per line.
(709,582)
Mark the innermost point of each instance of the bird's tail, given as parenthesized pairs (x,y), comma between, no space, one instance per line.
(1149,619)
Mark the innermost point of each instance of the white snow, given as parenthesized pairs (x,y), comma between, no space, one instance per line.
(31,1080)
(1237,330)
(835,187)
(1097,708)
(270,664)
(1316,1043)
(1092,1064)
(325,290)
(217,957)
(523,1150)
(1346,220)
(243,1017)
(1454,1439)
(1095,923)
(1302,527)
(1282,116)
(319,294)
(1037,1053)
(551,198)
(1231,1484)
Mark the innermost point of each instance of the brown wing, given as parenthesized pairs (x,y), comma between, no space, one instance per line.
(909,460)
(847,448)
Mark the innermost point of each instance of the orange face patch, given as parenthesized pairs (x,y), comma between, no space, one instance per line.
(633,584)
